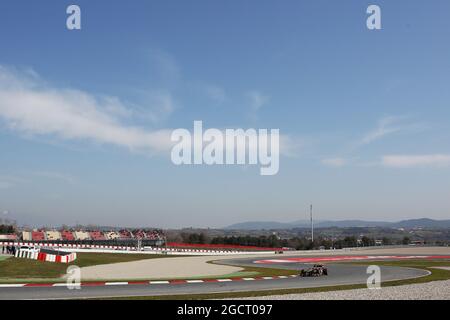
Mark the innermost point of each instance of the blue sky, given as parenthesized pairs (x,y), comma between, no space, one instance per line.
(365,114)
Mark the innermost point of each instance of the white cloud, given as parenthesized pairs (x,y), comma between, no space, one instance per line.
(29,106)
(410,161)
(334,162)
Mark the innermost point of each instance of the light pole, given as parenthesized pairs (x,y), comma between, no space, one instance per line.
(312,224)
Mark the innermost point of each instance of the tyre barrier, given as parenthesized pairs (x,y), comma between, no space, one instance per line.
(46,255)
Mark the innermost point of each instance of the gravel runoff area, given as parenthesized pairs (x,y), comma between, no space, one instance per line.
(165,268)
(436,290)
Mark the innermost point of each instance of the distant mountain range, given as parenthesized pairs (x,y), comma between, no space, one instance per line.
(407,224)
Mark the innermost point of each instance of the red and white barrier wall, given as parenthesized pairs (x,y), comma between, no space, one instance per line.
(35,254)
(105,248)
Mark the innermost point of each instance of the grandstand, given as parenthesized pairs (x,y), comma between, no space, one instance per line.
(26,236)
(82,235)
(38,236)
(53,235)
(112,235)
(125,234)
(139,234)
(67,235)
(154,235)
(122,237)
(97,235)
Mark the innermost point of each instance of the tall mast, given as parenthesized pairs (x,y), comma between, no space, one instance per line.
(312,224)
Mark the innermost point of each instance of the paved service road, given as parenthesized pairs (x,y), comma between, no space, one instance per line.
(339,274)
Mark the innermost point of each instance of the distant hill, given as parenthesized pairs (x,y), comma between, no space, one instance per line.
(422,223)
(260,225)
(407,224)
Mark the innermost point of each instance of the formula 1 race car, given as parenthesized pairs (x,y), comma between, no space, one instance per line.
(316,271)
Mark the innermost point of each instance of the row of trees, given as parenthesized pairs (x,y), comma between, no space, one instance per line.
(7,229)
(260,241)
(271,241)
(299,243)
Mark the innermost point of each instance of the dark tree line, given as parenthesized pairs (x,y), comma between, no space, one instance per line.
(259,241)
(271,241)
(6,229)
(194,238)
(298,243)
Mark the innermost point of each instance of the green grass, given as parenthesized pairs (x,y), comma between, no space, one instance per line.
(4,258)
(16,269)
(436,275)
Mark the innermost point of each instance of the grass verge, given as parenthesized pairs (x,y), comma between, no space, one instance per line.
(16,269)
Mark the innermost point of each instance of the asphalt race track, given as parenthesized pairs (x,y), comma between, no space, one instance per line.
(339,274)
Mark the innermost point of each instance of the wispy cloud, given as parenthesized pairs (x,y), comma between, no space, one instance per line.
(9,181)
(28,105)
(5,185)
(215,93)
(389,125)
(257,100)
(334,162)
(166,66)
(55,175)
(412,161)
(386,126)
(291,146)
(161,105)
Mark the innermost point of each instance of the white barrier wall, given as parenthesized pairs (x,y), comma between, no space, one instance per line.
(35,254)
